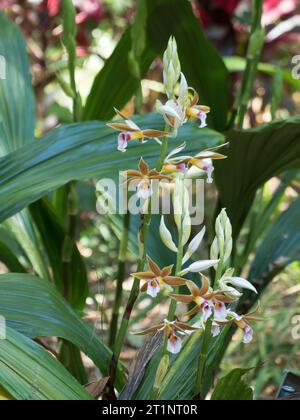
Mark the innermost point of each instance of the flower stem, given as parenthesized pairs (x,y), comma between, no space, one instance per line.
(206,343)
(144,233)
(120,280)
(256,43)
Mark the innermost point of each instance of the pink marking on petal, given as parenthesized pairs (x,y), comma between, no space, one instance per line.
(174,344)
(153,288)
(248,334)
(123,140)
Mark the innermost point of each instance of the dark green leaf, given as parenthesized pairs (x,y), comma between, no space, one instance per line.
(233,388)
(34,308)
(202,65)
(29,372)
(52,234)
(255,156)
(77,152)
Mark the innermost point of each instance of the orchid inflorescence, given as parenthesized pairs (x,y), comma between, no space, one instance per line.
(213,301)
(177,111)
(210,303)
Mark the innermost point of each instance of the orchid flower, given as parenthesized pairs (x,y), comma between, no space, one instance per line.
(156,277)
(172,331)
(143,178)
(242,322)
(203,161)
(130,131)
(179,110)
(173,113)
(207,301)
(239,282)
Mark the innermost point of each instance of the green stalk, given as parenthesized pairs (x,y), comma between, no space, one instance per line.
(120,280)
(141,265)
(173,304)
(206,343)
(256,43)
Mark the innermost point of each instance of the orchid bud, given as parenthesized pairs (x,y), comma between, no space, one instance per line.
(223,236)
(186,228)
(194,246)
(161,372)
(166,236)
(172,68)
(214,250)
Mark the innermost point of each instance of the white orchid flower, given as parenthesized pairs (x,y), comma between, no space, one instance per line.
(239,282)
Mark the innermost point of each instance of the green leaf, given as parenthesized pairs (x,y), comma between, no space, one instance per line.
(29,372)
(81,151)
(279,248)
(52,236)
(10,260)
(258,154)
(17,120)
(202,65)
(17,106)
(233,388)
(34,308)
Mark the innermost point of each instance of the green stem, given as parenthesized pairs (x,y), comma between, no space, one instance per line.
(206,343)
(256,43)
(141,267)
(120,280)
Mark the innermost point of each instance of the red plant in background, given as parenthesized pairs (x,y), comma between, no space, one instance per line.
(87,11)
(275,9)
(228,6)
(53,7)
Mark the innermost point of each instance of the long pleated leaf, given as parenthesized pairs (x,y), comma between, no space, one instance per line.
(81,151)
(29,372)
(33,307)
(255,156)
(201,63)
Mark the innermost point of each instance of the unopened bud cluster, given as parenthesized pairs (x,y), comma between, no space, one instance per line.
(222,245)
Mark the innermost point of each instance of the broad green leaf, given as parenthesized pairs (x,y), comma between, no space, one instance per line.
(4,396)
(10,260)
(17,107)
(17,120)
(279,248)
(23,229)
(233,388)
(34,308)
(29,372)
(52,236)
(81,151)
(180,381)
(255,156)
(202,65)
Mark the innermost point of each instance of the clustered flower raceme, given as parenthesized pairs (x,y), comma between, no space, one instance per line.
(177,111)
(214,302)
(210,303)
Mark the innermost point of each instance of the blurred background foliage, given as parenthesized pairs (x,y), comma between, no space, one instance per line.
(226,23)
